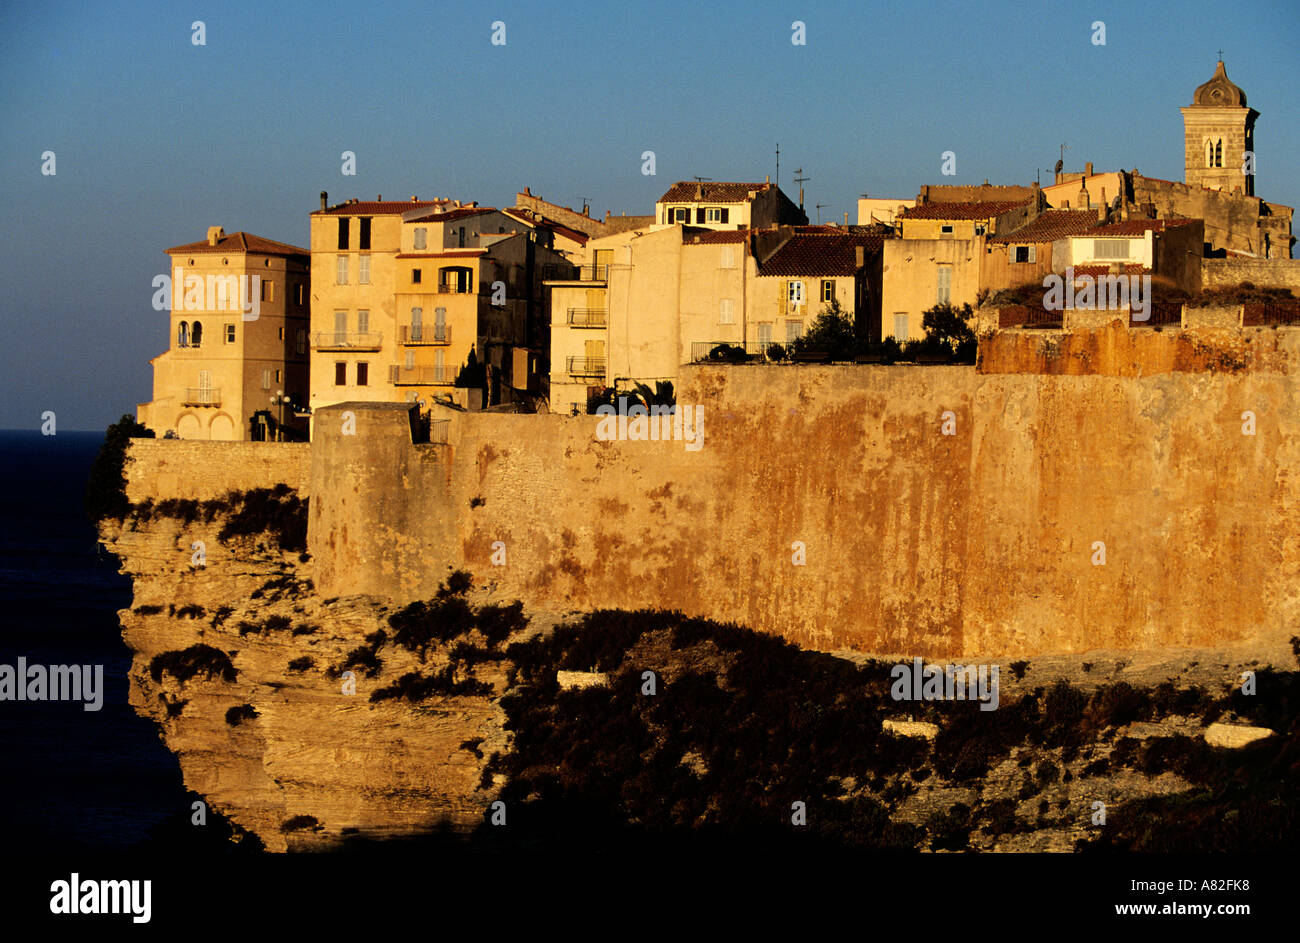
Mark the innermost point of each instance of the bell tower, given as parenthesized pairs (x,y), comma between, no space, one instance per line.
(1218,130)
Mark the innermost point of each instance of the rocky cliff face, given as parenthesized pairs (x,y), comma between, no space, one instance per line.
(269,738)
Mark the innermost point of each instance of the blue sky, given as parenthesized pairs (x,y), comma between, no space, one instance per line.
(156,139)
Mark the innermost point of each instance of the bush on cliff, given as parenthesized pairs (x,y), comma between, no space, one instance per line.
(184,665)
(277,511)
(106,486)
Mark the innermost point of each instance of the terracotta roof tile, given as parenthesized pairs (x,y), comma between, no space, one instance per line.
(1050,226)
(685,191)
(1095,270)
(376,208)
(242,242)
(824,255)
(986,209)
(446,215)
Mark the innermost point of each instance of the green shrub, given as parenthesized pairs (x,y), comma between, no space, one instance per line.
(302,664)
(184,665)
(106,485)
(237,715)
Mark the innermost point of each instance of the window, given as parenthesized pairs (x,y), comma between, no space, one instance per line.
(268,290)
(340,327)
(1110,248)
(266,379)
(980,229)
(440,324)
(196,336)
(828,289)
(183,334)
(900,326)
(460,238)
(764,334)
(230,333)
(279,376)
(793,331)
(1218,153)
(728,257)
(726,311)
(680,214)
(713,214)
(1026,254)
(300,294)
(943,294)
(415,276)
(945,230)
(363,374)
(300,342)
(341,277)
(421,237)
(363,270)
(363,322)
(363,237)
(343,233)
(417,324)
(340,373)
(796,293)
(281,333)
(410,360)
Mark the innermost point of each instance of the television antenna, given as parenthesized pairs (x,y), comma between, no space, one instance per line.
(801,180)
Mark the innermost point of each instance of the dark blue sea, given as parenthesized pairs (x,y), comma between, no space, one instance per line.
(71,778)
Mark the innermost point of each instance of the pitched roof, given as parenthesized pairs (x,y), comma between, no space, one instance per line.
(242,242)
(984,209)
(1136,227)
(816,254)
(1050,226)
(377,208)
(530,218)
(443,216)
(710,191)
(1132,268)
(714,236)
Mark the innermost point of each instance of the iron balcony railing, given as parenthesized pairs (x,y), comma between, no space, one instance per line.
(1162,314)
(203,396)
(575,273)
(587,317)
(421,376)
(454,289)
(343,340)
(586,366)
(415,335)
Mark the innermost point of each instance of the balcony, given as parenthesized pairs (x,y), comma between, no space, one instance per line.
(586,366)
(586,317)
(730,351)
(421,376)
(454,289)
(342,340)
(203,396)
(575,273)
(421,336)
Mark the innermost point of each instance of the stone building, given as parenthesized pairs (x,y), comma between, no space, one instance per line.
(726,205)
(236,365)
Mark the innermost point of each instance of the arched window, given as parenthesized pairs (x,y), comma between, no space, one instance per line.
(196,338)
(183,334)
(1218,153)
(1209,153)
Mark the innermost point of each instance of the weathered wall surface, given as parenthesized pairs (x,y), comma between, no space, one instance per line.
(182,468)
(1264,273)
(916,542)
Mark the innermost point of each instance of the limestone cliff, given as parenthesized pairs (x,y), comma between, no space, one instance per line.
(278,747)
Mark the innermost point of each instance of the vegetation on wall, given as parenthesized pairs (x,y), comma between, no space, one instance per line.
(106,486)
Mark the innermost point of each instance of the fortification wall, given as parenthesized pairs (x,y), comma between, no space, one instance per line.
(1264,273)
(182,468)
(983,541)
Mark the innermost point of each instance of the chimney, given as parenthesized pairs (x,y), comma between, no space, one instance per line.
(414,198)
(214,234)
(846,217)
(379,198)
(1085,201)
(324,197)
(1105,207)
(767,178)
(1087,169)
(699,190)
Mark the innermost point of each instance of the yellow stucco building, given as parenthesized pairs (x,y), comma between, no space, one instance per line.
(236,364)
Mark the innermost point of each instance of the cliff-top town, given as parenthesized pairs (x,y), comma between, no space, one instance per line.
(538,307)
